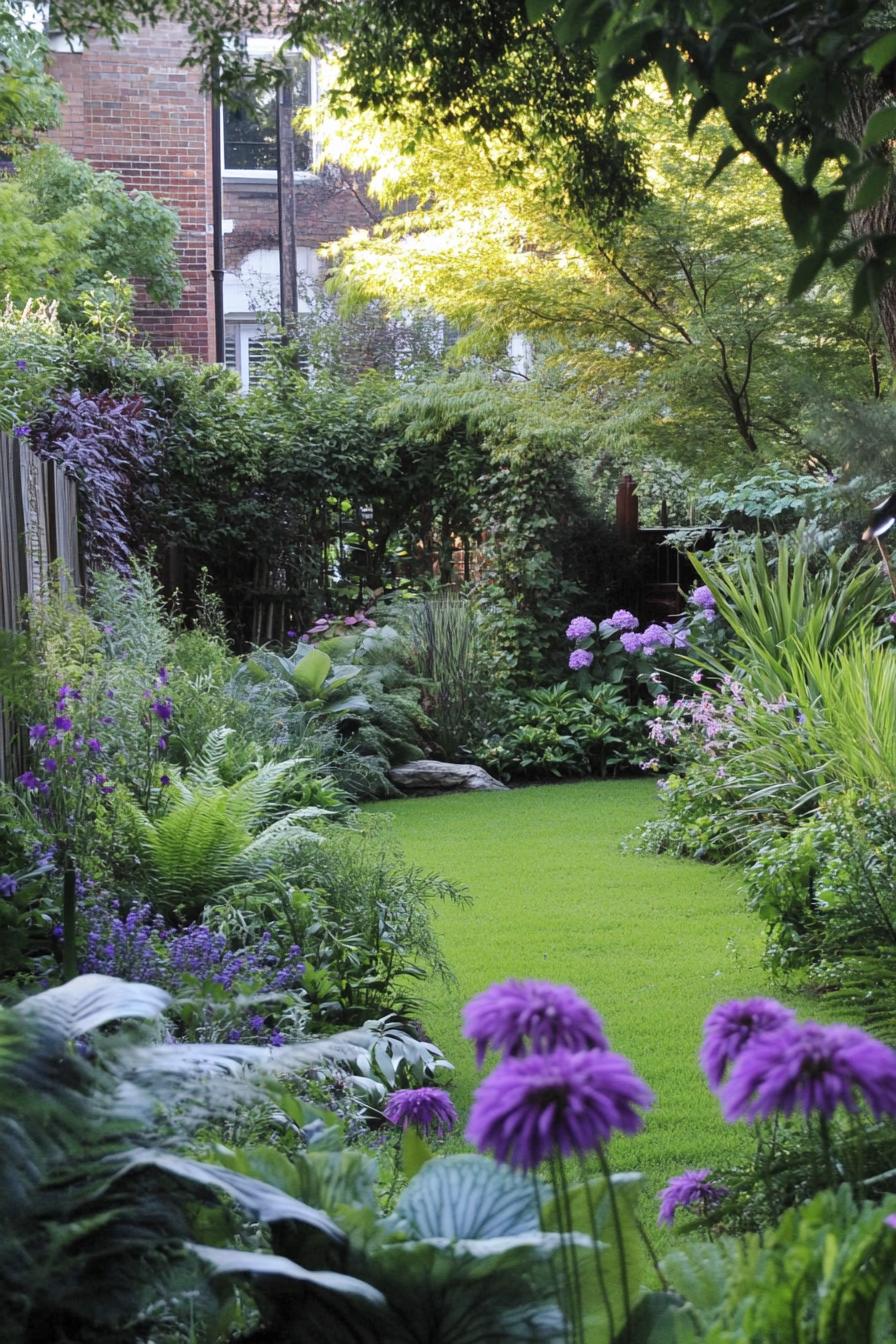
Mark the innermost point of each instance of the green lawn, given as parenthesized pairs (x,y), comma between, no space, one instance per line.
(653,943)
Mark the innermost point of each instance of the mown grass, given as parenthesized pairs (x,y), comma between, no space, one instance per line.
(652,942)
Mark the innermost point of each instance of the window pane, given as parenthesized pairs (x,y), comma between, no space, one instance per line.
(250,131)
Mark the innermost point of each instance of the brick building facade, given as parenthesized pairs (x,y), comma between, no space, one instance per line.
(135,111)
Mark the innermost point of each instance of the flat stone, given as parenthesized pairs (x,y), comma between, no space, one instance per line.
(441,777)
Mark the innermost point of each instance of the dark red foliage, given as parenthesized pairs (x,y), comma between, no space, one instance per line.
(110,445)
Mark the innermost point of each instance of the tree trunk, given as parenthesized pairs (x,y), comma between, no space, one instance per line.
(866,97)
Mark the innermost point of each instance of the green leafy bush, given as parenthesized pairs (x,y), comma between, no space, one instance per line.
(562,730)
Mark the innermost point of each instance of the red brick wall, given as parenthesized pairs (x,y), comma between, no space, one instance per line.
(326,208)
(133,111)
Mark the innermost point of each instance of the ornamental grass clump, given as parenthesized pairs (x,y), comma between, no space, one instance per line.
(558,1092)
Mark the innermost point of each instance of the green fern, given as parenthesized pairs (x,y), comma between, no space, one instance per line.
(209,835)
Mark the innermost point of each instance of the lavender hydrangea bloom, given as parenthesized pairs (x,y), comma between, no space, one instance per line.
(567,1102)
(702,597)
(580,659)
(631,642)
(731,1026)
(580,628)
(691,1187)
(655,637)
(519,1015)
(623,620)
(811,1068)
(429,1110)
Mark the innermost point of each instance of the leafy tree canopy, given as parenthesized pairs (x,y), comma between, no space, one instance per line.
(29,98)
(64,229)
(671,336)
(552,75)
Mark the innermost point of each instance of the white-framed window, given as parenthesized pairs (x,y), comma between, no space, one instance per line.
(249,131)
(246,350)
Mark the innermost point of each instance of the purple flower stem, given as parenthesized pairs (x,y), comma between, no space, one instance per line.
(570,1251)
(598,1262)
(617,1224)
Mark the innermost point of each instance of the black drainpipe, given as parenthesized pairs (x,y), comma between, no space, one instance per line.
(217,225)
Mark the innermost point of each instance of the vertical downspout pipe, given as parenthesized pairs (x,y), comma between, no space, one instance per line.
(217,223)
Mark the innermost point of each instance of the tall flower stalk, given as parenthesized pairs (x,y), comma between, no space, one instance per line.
(558,1092)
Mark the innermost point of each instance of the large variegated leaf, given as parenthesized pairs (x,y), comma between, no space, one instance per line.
(468,1197)
(251,1265)
(145,1062)
(91,1001)
(264,1202)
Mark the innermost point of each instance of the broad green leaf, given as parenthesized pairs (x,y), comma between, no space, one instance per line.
(91,1001)
(414,1153)
(468,1197)
(264,1202)
(311,672)
(251,1265)
(873,186)
(882,52)
(728,155)
(881,125)
(804,274)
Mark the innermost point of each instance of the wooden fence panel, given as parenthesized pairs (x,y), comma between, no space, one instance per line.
(38,529)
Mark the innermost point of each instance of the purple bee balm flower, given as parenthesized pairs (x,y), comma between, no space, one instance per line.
(37,731)
(631,642)
(809,1067)
(566,1102)
(623,620)
(21,431)
(8,884)
(94,744)
(163,709)
(522,1015)
(702,597)
(28,780)
(580,659)
(580,628)
(63,723)
(691,1187)
(731,1026)
(429,1110)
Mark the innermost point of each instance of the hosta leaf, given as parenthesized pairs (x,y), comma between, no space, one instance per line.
(468,1197)
(263,1202)
(91,1001)
(311,672)
(277,1266)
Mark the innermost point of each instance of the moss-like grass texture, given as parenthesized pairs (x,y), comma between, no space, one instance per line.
(652,942)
